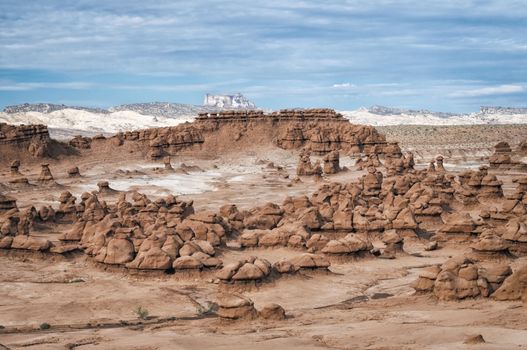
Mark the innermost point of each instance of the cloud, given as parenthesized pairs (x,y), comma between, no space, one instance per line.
(489,91)
(421,51)
(343,86)
(14,86)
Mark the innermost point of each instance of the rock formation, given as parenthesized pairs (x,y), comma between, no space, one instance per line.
(235,306)
(14,168)
(305,167)
(460,278)
(6,203)
(45,176)
(331,162)
(74,172)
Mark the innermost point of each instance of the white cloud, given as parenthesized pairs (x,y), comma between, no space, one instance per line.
(13,86)
(489,91)
(343,85)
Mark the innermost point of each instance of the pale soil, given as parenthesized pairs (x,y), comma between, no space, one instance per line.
(462,143)
(364,304)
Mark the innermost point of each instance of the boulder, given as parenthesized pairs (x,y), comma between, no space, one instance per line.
(272,312)
(235,306)
(152,259)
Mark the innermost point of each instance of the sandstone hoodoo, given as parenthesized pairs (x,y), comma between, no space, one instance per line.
(168,164)
(45,176)
(105,189)
(331,162)
(15,165)
(305,167)
(74,172)
(235,306)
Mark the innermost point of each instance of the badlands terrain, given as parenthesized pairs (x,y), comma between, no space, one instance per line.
(295,229)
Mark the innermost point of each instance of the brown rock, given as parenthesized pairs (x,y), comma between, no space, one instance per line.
(235,306)
(152,259)
(272,312)
(187,263)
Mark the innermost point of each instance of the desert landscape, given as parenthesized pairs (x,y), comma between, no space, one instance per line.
(247,229)
(278,174)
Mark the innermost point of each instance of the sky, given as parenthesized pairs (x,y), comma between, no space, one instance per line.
(439,55)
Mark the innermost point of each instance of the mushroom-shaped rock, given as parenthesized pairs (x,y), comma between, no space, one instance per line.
(45,176)
(235,306)
(74,172)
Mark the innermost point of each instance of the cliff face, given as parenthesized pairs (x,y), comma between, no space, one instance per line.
(237,101)
(22,134)
(29,141)
(32,139)
(319,130)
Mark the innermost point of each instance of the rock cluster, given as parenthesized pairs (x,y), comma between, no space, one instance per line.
(305,167)
(460,278)
(81,142)
(251,269)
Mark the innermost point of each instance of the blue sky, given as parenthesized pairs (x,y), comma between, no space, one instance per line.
(440,55)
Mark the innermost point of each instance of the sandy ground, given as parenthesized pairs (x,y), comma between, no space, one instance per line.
(367,304)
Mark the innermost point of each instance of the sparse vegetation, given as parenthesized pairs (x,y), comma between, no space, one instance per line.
(142,313)
(44,325)
(76,280)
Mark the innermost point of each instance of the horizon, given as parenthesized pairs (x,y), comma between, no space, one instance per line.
(445,56)
(369,108)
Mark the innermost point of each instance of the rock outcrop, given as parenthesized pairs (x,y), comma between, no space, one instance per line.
(460,278)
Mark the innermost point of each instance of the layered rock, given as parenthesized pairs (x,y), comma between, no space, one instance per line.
(489,246)
(7,203)
(501,157)
(31,138)
(235,306)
